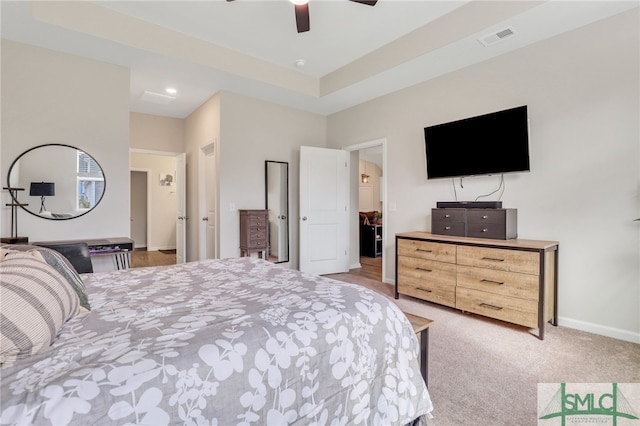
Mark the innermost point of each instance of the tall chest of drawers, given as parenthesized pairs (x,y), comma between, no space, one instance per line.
(254,232)
(510,280)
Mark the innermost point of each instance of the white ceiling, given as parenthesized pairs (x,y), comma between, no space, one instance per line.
(353,52)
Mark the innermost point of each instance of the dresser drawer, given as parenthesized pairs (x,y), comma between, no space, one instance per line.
(442,295)
(449,215)
(499,224)
(486,216)
(511,309)
(427,280)
(257,234)
(525,262)
(456,229)
(427,270)
(257,221)
(514,284)
(427,250)
(496,231)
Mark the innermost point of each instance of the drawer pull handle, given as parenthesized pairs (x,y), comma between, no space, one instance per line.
(493,259)
(423,289)
(447,215)
(424,269)
(492,282)
(425,251)
(447,227)
(495,308)
(484,229)
(485,217)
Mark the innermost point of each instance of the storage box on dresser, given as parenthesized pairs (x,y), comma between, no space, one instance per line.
(501,224)
(510,280)
(254,232)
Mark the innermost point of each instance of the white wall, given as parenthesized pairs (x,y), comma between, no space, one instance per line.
(202,128)
(247,132)
(50,97)
(275,133)
(582,89)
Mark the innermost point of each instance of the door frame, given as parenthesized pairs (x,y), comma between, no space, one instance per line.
(372,144)
(149,189)
(163,153)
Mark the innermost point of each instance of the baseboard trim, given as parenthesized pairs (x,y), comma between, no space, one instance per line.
(602,330)
(355,265)
(161,248)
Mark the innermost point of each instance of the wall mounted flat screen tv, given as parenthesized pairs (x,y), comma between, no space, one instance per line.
(487,144)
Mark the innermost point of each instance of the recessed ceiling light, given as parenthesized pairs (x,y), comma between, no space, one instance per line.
(300,63)
(299,2)
(171,90)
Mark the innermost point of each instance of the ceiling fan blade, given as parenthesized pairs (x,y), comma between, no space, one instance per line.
(367,2)
(302,17)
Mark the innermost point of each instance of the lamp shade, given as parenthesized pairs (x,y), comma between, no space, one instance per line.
(42,189)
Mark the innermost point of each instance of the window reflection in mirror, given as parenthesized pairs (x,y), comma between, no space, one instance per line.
(277,202)
(74,180)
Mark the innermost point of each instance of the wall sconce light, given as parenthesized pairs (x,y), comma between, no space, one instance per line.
(42,189)
(365,178)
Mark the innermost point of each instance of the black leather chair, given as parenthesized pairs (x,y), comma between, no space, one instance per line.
(77,254)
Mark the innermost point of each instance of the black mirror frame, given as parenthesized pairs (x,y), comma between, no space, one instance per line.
(15,200)
(266,203)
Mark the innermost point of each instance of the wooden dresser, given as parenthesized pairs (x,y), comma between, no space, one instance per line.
(510,280)
(254,232)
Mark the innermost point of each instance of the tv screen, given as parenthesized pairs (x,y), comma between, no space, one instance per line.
(487,144)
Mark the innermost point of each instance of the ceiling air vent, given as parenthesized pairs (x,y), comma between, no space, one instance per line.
(156,98)
(493,38)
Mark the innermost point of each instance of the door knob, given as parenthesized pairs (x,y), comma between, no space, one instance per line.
(206,219)
(304,218)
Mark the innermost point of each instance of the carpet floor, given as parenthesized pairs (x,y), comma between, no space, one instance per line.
(486,372)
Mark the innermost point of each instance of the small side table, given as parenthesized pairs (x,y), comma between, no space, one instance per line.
(254,233)
(421,328)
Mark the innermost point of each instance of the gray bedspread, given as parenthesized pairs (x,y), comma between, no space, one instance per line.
(222,342)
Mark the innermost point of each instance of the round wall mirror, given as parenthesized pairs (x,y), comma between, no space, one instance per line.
(59,181)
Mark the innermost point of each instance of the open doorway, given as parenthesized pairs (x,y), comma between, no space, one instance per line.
(368,232)
(139,207)
(155,191)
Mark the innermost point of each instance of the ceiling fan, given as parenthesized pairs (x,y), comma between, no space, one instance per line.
(302,12)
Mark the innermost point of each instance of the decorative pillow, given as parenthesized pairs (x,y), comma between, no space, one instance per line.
(35,301)
(60,264)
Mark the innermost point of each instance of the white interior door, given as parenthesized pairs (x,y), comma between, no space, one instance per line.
(207,203)
(181,208)
(324,213)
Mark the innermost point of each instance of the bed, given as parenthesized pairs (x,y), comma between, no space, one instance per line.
(218,342)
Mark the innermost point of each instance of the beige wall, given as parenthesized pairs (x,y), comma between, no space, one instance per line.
(50,97)
(202,128)
(155,133)
(154,140)
(582,91)
(275,133)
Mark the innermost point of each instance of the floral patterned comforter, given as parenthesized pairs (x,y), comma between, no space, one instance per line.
(222,342)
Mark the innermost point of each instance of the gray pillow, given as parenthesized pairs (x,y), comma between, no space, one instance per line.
(60,264)
(36,302)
